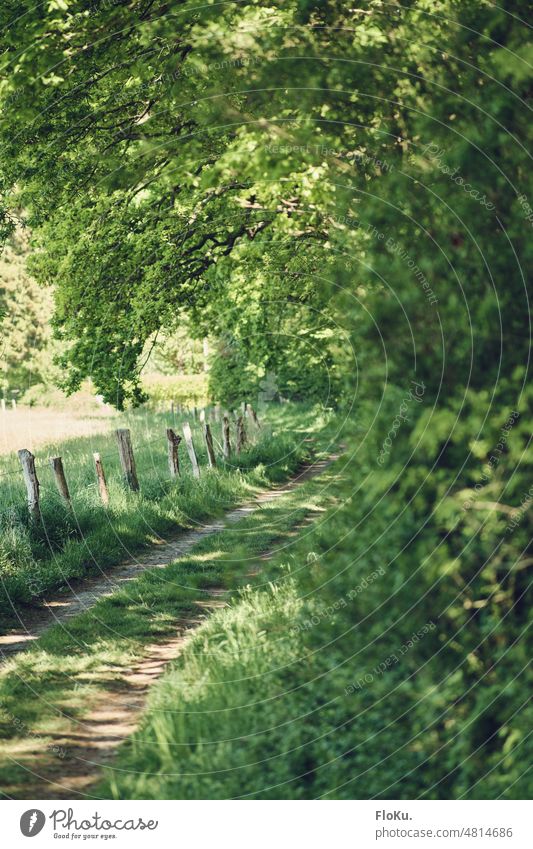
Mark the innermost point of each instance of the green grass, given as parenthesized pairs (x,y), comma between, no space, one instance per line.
(69,544)
(45,690)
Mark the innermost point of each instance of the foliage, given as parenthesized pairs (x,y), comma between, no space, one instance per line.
(178,353)
(25,312)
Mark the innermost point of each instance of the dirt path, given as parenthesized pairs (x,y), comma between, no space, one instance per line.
(94,739)
(84,593)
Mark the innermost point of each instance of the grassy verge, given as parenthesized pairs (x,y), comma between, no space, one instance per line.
(68,543)
(387,658)
(46,690)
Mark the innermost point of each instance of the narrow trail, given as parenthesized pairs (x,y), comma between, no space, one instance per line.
(85,593)
(92,743)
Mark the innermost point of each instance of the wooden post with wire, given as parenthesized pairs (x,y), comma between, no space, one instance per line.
(209,445)
(60,479)
(27,461)
(173,459)
(190,449)
(241,434)
(253,415)
(100,476)
(127,460)
(226,444)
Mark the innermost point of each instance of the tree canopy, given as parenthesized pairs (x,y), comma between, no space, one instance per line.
(273,168)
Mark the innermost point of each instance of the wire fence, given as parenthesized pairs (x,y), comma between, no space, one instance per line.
(232,443)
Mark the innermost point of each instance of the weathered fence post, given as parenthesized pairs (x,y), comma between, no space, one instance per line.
(173,459)
(190,450)
(127,460)
(3,403)
(226,444)
(217,413)
(209,445)
(60,479)
(100,476)
(13,404)
(254,416)
(202,415)
(241,434)
(32,484)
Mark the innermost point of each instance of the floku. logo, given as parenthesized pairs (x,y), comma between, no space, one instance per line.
(32,822)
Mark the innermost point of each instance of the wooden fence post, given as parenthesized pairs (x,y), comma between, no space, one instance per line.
(217,413)
(60,479)
(173,459)
(253,416)
(127,460)
(32,484)
(100,476)
(241,434)
(13,404)
(209,445)
(226,444)
(3,403)
(190,450)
